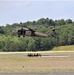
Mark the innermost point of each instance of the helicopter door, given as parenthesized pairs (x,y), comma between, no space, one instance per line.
(19,32)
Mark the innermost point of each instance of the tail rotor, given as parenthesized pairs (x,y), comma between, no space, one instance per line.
(53,32)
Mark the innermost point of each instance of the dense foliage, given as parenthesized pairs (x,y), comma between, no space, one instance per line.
(65,35)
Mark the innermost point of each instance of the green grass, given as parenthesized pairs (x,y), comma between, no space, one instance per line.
(64,48)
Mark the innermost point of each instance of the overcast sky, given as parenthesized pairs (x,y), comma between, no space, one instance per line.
(16,11)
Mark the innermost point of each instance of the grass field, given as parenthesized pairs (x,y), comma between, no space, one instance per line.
(18,61)
(64,48)
(15,61)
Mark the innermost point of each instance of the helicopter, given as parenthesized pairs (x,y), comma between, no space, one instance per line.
(25,31)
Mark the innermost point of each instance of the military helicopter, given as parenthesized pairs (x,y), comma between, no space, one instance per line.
(25,31)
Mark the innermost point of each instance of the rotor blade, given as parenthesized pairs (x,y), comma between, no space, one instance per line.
(30,29)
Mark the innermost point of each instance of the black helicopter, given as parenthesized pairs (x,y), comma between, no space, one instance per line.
(25,31)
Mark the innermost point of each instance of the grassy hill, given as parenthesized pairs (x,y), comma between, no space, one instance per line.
(64,48)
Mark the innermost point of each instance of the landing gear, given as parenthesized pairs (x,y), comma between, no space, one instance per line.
(23,35)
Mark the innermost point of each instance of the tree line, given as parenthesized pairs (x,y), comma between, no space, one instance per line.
(65,35)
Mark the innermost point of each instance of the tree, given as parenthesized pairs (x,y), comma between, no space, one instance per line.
(41,21)
(1,30)
(61,22)
(68,21)
(51,22)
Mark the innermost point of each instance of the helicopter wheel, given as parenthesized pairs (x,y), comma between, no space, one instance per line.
(23,36)
(18,35)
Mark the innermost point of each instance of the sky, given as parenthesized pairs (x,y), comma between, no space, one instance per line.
(16,11)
